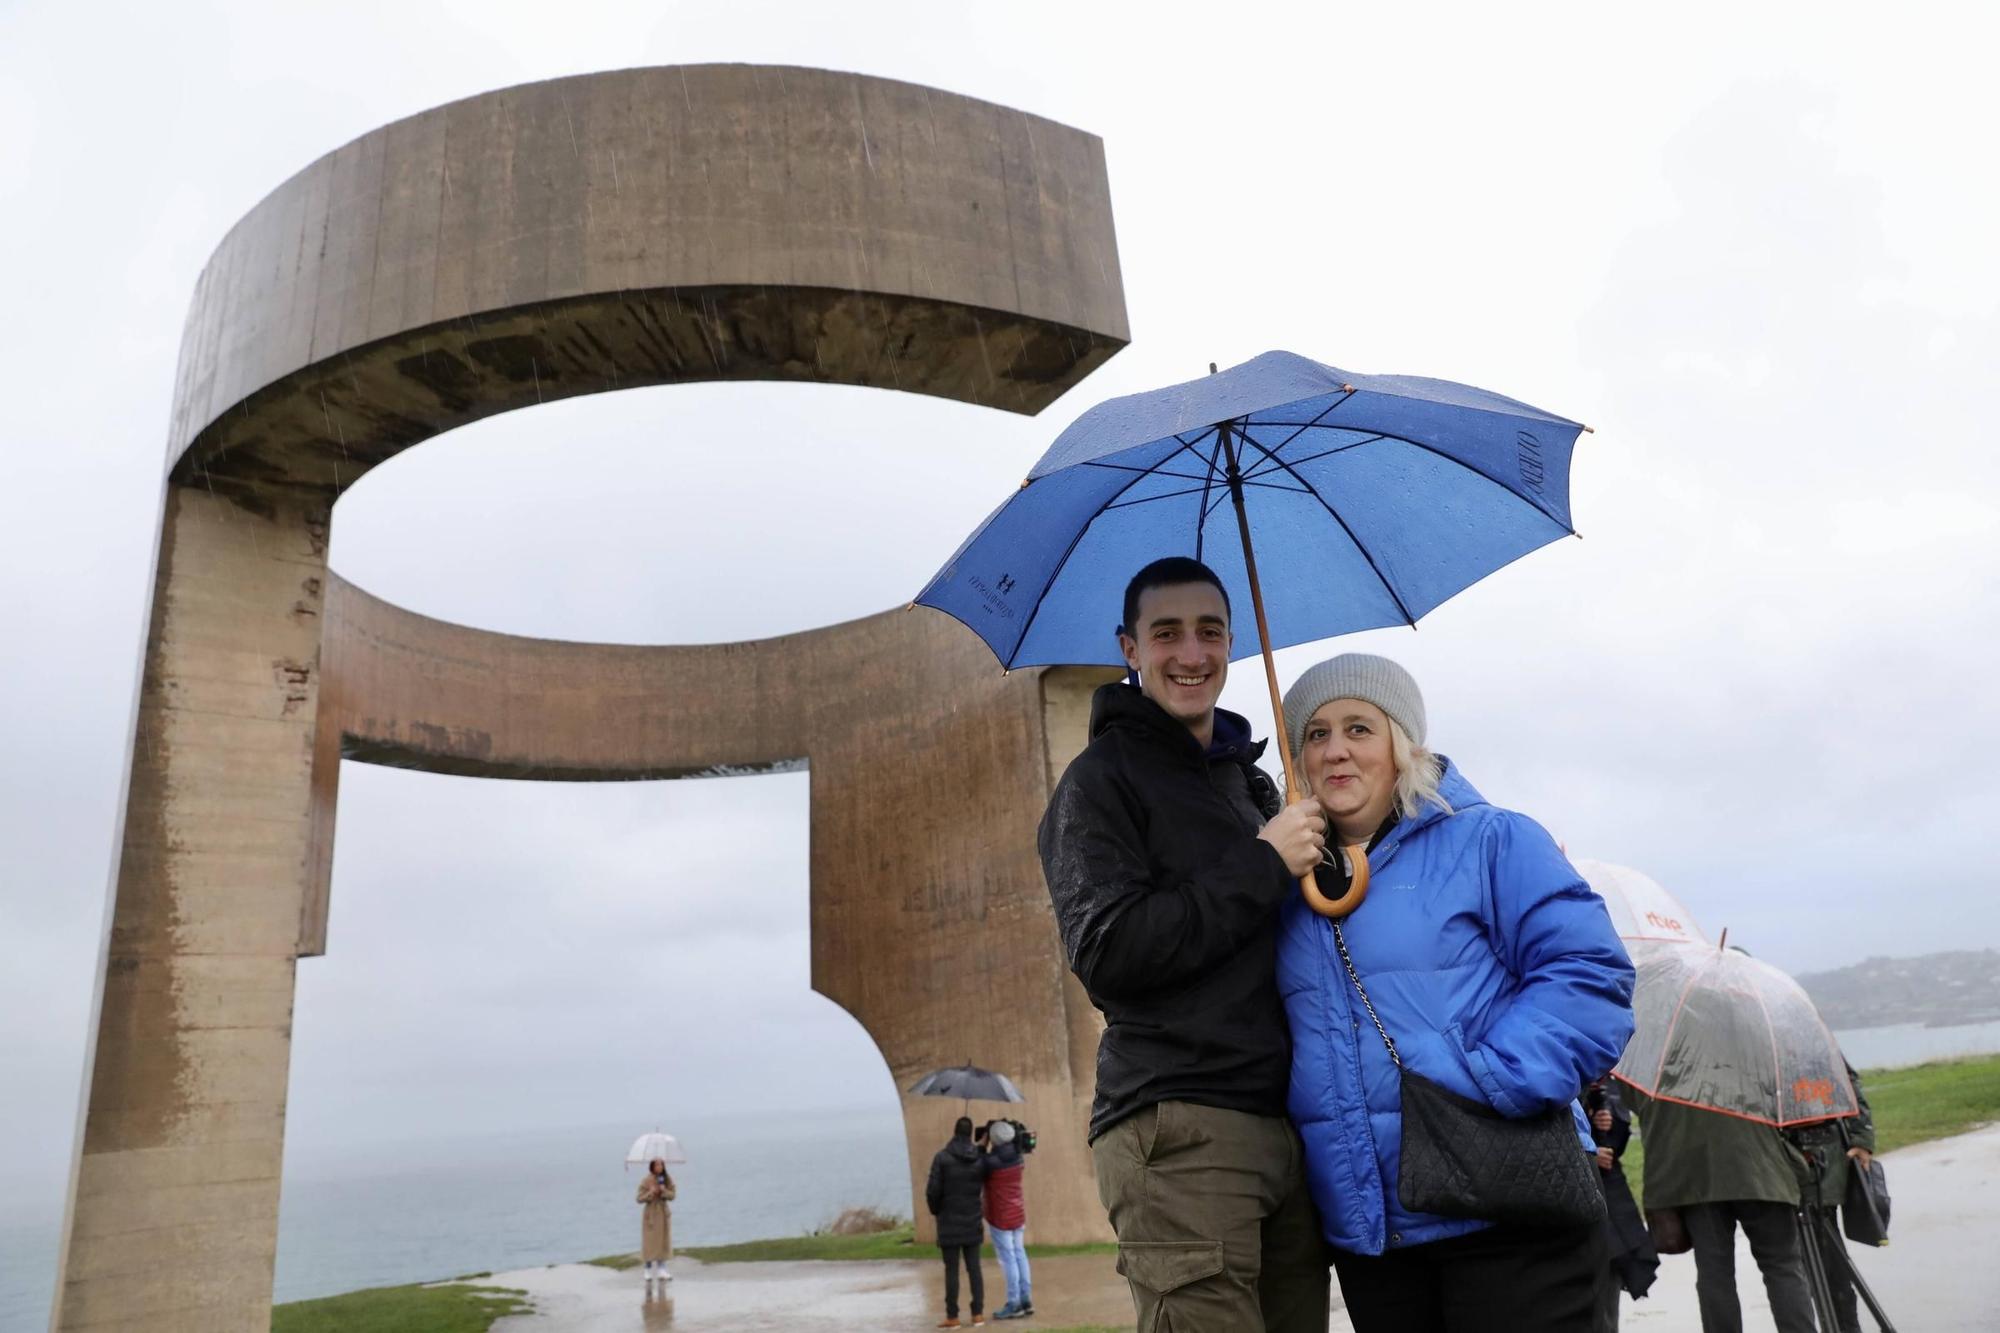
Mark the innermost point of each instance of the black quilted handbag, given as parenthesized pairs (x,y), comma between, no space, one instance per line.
(1461,1158)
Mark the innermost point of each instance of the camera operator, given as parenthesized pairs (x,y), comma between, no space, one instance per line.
(1007,1212)
(1827,1146)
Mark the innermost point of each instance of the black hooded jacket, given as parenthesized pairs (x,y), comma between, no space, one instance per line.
(1168,906)
(958,1175)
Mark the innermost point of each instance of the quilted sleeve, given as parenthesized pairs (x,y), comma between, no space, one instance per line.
(1571,1011)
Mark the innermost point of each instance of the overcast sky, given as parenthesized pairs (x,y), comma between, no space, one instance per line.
(1751,245)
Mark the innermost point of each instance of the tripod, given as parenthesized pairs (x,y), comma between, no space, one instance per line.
(1812,1224)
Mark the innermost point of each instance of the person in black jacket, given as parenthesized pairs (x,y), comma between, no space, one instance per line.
(958,1175)
(1167,858)
(1634,1262)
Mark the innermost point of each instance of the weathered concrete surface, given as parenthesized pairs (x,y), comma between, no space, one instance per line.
(936,935)
(582,235)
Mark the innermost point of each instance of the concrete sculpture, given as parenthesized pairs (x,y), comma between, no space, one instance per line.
(642,227)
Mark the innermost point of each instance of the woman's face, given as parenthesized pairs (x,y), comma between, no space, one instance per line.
(657,1166)
(1349,766)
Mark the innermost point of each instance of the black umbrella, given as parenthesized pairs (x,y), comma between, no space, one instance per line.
(968,1082)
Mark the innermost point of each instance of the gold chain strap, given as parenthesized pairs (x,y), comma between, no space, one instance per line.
(1340,942)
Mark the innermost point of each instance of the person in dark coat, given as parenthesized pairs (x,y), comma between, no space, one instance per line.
(1634,1262)
(1007,1218)
(1832,1144)
(958,1178)
(1167,858)
(1721,1172)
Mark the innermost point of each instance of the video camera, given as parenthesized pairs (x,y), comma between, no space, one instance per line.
(1024,1138)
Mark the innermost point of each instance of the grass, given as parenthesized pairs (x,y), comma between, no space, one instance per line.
(401,1310)
(1913,1105)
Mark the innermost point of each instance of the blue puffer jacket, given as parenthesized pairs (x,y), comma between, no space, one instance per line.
(1495,969)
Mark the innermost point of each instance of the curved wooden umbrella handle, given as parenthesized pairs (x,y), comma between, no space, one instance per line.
(1357,888)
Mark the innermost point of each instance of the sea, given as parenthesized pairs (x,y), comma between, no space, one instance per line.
(412,1211)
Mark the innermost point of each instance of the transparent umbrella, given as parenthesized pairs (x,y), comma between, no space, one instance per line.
(1718,1029)
(1640,908)
(648,1146)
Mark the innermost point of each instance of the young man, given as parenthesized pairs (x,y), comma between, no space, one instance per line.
(1167,858)
(1007,1218)
(958,1177)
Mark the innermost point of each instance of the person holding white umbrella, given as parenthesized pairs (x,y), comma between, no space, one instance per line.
(656,1191)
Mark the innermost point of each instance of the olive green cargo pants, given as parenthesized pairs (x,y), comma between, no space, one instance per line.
(1216,1233)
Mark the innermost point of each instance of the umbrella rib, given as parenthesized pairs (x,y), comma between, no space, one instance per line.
(1429,449)
(1314,458)
(1667,1038)
(1244,424)
(1068,551)
(1167,495)
(1207,508)
(1145,471)
(1777,1074)
(1327,505)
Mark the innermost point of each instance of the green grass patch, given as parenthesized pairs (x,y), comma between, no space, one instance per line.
(1932,1101)
(1914,1105)
(899,1243)
(412,1309)
(621,1262)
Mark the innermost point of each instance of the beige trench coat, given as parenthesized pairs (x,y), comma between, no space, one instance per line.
(656,1227)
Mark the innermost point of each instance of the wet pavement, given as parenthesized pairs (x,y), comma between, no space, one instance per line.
(1935,1278)
(890,1295)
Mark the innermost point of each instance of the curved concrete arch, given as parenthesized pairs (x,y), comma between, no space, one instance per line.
(592,233)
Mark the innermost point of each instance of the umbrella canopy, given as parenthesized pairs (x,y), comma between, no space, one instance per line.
(648,1146)
(1370,500)
(968,1082)
(1718,1029)
(1641,911)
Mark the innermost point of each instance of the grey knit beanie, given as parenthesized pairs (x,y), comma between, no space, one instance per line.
(1002,1132)
(1363,676)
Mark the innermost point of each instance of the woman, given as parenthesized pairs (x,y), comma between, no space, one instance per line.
(656,1235)
(1494,970)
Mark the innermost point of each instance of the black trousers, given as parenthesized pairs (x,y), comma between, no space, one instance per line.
(974,1278)
(1773,1231)
(1504,1279)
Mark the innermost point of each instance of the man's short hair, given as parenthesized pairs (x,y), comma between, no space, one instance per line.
(1167,572)
(963,1129)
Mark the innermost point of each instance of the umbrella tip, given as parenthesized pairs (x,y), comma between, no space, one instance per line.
(1025,481)
(1211,367)
(1590,430)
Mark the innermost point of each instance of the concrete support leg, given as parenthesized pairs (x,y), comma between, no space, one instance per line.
(174,1202)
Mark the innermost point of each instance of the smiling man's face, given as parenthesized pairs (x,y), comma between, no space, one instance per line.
(1180,648)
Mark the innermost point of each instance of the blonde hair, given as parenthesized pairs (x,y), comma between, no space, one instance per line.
(1418,772)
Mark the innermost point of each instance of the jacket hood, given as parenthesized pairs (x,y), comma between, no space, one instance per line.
(1458,793)
(963,1149)
(1119,706)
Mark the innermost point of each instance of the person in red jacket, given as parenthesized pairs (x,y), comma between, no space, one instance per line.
(1007,1217)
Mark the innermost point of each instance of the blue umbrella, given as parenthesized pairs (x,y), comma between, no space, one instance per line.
(1371,499)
